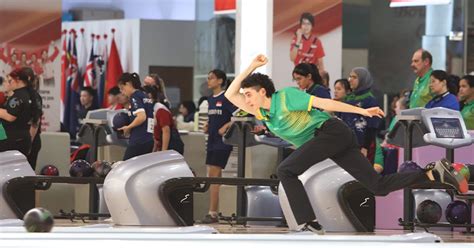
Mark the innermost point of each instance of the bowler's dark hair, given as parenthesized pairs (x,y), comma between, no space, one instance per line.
(258,81)
(131,78)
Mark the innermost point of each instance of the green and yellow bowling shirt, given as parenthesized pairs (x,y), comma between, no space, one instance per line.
(467,113)
(292,116)
(3,134)
(421,93)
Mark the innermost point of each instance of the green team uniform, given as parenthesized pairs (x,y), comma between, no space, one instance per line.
(467,113)
(292,116)
(421,93)
(3,134)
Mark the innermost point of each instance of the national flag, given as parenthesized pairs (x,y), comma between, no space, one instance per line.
(73,104)
(64,75)
(82,56)
(114,69)
(89,75)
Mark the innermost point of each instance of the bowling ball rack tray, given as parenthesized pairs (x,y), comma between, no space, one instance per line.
(73,215)
(426,226)
(469,198)
(40,183)
(202,184)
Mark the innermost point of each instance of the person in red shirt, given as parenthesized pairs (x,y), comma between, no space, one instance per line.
(305,46)
(165,133)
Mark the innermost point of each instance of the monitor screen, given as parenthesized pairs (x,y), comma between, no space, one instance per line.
(447,128)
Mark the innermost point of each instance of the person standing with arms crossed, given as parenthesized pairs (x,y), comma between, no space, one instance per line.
(220,111)
(421,64)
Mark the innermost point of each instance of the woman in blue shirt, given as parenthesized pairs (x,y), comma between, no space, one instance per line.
(439,88)
(308,79)
(141,114)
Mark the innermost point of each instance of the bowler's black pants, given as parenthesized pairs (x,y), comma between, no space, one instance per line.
(336,141)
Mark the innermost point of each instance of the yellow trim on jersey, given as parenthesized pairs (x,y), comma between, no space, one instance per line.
(259,115)
(310,104)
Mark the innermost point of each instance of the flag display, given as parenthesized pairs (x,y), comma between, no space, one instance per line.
(114,70)
(93,67)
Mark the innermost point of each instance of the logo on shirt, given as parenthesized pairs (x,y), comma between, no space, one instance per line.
(218,104)
(360,123)
(147,100)
(14,102)
(215,112)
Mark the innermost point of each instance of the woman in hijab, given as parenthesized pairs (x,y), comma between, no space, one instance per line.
(365,128)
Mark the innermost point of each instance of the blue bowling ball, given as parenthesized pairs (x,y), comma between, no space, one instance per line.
(121,119)
(457,212)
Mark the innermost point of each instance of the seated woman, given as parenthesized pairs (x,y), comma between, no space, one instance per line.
(364,127)
(308,79)
(466,95)
(439,87)
(341,89)
(401,103)
(185,119)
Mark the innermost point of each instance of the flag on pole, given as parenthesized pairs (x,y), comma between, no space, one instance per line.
(64,75)
(101,55)
(114,68)
(89,75)
(73,103)
(82,57)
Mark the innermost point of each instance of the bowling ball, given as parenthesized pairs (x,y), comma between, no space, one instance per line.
(457,212)
(49,170)
(428,211)
(121,119)
(463,169)
(38,220)
(409,166)
(80,168)
(101,168)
